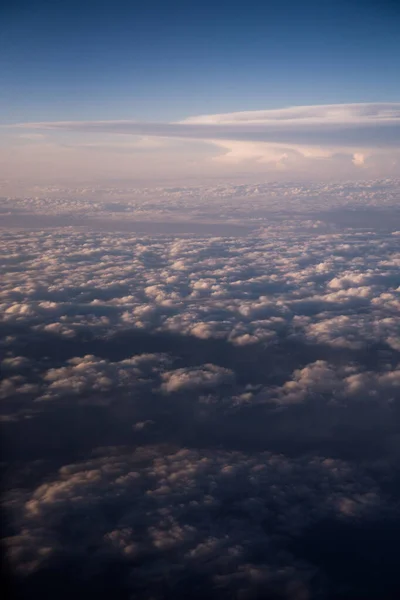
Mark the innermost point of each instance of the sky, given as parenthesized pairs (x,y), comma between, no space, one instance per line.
(161,62)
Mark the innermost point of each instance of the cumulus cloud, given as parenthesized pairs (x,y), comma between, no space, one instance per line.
(206,376)
(201,415)
(321,380)
(91,375)
(165,499)
(336,287)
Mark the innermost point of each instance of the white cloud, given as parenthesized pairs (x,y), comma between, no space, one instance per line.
(361,113)
(320,121)
(359,159)
(246,289)
(205,376)
(294,139)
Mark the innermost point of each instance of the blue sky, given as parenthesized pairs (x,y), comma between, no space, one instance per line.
(164,61)
(169,59)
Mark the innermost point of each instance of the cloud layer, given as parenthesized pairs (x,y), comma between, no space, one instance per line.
(326,139)
(336,125)
(201,415)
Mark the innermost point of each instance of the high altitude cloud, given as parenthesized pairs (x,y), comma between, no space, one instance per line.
(364,136)
(338,125)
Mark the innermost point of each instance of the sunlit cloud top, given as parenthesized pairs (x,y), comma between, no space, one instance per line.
(362,113)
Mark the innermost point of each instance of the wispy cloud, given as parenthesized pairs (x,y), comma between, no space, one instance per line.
(322,141)
(342,125)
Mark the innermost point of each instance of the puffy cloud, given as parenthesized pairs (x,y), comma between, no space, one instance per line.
(164,500)
(248,289)
(315,378)
(359,159)
(321,380)
(17,385)
(206,376)
(92,375)
(218,403)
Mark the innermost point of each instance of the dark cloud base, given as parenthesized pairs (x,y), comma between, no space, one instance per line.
(348,558)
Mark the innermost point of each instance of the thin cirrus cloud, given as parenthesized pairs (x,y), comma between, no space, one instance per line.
(343,136)
(342,125)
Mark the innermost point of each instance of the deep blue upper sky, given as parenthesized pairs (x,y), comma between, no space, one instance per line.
(168,59)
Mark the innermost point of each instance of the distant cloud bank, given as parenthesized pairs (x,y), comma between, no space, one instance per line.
(334,140)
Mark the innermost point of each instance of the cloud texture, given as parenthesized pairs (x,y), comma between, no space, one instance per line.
(208,410)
